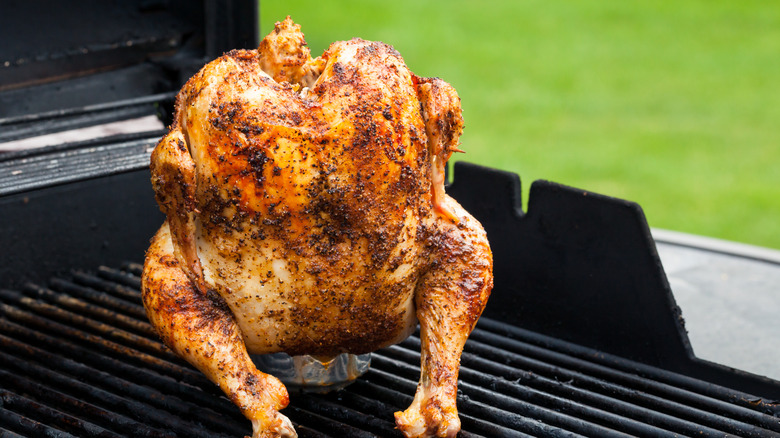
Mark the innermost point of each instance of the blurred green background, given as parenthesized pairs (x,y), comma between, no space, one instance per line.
(673,104)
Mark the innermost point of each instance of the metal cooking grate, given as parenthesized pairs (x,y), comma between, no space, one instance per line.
(79,359)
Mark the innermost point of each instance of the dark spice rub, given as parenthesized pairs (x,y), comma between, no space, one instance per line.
(306,213)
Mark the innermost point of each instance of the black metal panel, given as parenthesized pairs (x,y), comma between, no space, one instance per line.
(579,266)
(231,24)
(48,40)
(583,267)
(76,225)
(60,56)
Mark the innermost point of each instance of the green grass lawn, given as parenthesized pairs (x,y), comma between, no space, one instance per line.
(673,104)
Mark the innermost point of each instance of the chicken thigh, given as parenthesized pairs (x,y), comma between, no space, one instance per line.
(306,214)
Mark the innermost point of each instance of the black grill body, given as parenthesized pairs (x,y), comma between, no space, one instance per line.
(79,358)
(581,337)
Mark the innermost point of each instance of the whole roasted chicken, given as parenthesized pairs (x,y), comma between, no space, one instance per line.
(306,214)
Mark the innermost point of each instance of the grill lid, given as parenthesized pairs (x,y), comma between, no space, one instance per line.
(65,65)
(78,358)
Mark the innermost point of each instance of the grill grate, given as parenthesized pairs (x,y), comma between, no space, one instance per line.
(79,359)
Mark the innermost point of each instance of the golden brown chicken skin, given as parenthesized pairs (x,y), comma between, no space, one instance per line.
(306,214)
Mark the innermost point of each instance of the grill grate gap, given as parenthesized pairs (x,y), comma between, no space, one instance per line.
(112,410)
(504,380)
(134,269)
(97,360)
(510,420)
(99,298)
(18,408)
(654,380)
(325,424)
(118,290)
(22,423)
(5,433)
(694,410)
(110,382)
(515,409)
(56,408)
(329,408)
(513,384)
(615,404)
(82,320)
(93,342)
(307,432)
(118,276)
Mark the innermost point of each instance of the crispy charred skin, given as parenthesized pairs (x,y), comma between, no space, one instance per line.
(199,327)
(449,299)
(306,213)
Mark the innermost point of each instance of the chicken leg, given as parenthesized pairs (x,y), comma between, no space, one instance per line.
(449,300)
(200,328)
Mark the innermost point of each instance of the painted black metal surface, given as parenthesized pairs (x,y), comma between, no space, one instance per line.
(578,265)
(77,224)
(67,64)
(583,267)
